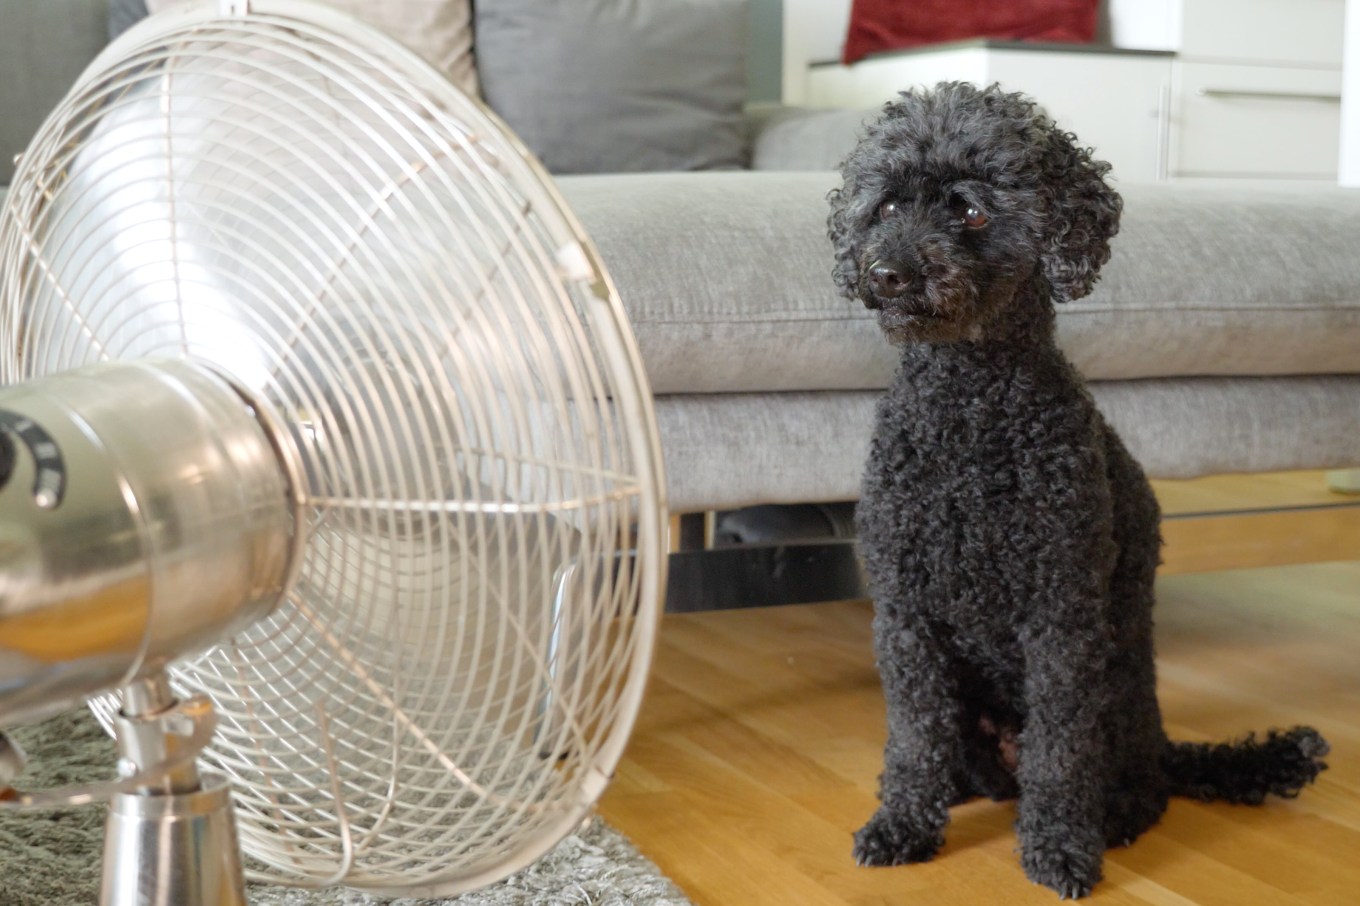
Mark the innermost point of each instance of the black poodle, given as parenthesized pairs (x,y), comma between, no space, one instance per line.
(1009,537)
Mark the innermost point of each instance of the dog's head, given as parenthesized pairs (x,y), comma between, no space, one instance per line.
(958,201)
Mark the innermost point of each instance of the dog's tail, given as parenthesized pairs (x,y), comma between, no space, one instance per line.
(1246,771)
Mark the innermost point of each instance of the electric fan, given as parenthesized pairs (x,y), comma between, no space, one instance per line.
(328,468)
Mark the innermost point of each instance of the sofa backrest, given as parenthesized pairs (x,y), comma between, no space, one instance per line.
(44,46)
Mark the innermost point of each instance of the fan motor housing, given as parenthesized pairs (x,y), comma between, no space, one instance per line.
(145,515)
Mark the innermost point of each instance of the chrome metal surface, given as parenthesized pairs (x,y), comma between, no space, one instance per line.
(158,755)
(158,734)
(149,695)
(173,850)
(174,531)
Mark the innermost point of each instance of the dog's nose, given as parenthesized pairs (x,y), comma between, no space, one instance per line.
(889,279)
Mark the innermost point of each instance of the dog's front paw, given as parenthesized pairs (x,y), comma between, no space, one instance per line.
(1070,872)
(890,839)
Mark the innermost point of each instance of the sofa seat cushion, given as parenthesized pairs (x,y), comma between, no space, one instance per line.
(1214,281)
(727,281)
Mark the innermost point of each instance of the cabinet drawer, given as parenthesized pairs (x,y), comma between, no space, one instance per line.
(1254,121)
(1292,32)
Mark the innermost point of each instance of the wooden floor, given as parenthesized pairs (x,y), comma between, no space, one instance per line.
(758,748)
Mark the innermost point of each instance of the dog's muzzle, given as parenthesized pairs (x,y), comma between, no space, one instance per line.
(888,279)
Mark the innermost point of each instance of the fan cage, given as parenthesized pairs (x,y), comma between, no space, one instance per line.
(304,205)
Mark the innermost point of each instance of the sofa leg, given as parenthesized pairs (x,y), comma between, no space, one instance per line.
(1344,481)
(763,575)
(763,556)
(696,531)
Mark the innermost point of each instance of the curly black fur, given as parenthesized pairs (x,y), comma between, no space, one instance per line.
(1010,539)
(1246,771)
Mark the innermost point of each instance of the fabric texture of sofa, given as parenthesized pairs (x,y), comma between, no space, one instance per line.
(1223,336)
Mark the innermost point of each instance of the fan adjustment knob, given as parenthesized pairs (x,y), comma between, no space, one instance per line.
(49,467)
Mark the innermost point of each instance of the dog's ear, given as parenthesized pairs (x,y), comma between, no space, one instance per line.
(846,271)
(1083,215)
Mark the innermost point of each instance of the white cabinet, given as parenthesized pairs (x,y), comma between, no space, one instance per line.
(1250,89)
(1263,32)
(1256,89)
(1262,121)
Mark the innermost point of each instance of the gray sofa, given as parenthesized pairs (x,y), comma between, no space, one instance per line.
(1223,336)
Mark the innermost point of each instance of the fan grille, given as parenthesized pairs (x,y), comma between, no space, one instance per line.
(304,205)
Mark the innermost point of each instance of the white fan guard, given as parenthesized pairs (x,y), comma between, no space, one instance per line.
(303,204)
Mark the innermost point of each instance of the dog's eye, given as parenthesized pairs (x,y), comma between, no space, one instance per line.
(974,218)
(887,209)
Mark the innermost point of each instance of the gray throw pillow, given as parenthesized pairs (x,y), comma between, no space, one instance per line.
(123,14)
(603,86)
(440,31)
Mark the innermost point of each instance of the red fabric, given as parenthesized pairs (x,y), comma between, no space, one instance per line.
(893,24)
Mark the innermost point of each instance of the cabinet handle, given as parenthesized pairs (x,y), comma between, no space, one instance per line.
(1268,95)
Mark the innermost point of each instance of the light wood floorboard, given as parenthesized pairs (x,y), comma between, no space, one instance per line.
(758,748)
(1242,521)
(1225,493)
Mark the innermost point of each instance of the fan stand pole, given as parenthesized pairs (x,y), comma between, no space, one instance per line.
(173,843)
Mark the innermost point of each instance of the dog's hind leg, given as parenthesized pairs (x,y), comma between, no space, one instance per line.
(1137,788)
(923,759)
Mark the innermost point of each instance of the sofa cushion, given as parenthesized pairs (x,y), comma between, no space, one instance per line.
(601,86)
(727,280)
(440,31)
(803,138)
(123,14)
(730,450)
(1218,281)
(44,46)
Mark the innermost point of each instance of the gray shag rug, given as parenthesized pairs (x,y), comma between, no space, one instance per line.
(49,858)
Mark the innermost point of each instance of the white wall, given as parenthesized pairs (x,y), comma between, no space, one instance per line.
(1349,170)
(814,31)
(1143,24)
